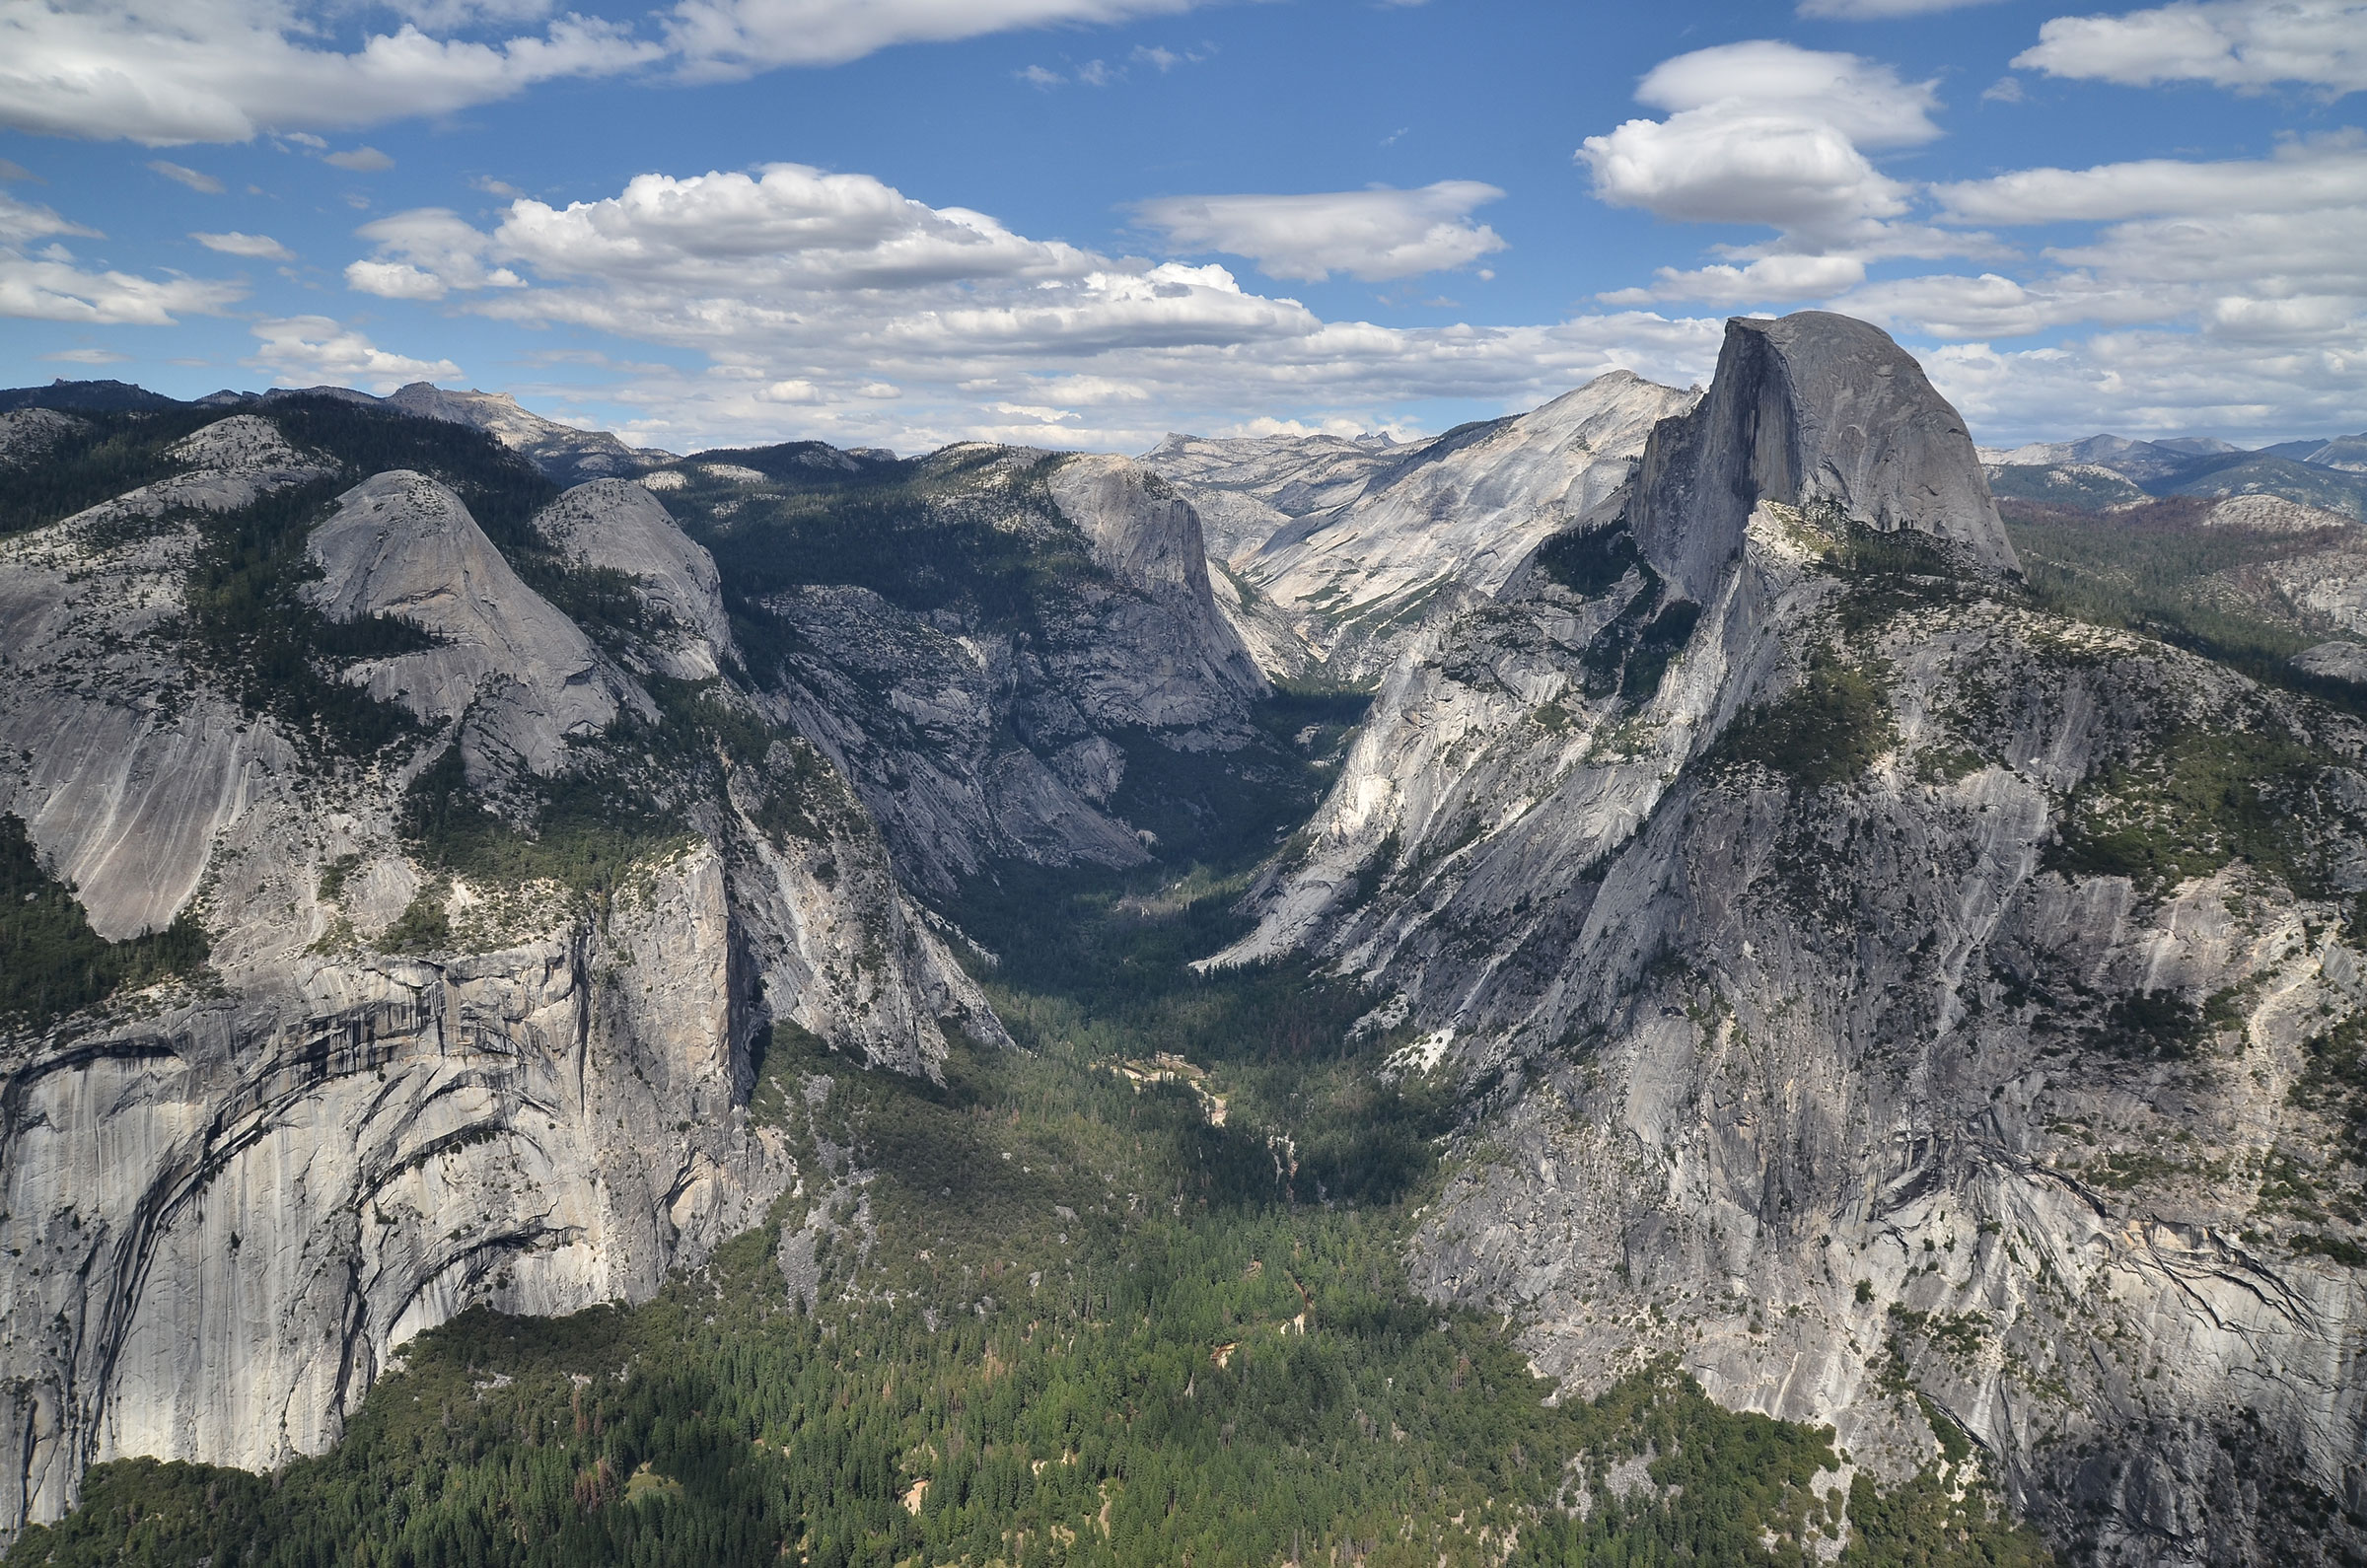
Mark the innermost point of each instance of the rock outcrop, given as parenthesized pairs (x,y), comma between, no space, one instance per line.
(28,434)
(978,726)
(568,455)
(226,1218)
(922,720)
(1816,411)
(1360,540)
(1246,488)
(1903,1007)
(2274,514)
(620,526)
(2336,660)
(527,679)
(466,1036)
(1857,995)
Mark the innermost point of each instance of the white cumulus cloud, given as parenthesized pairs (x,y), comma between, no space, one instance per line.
(260,246)
(2259,249)
(2247,44)
(2153,380)
(2302,177)
(1766,132)
(837,307)
(314,350)
(1373,234)
(718,37)
(424,255)
(29,220)
(167,71)
(786,227)
(1865,100)
(1774,279)
(50,287)
(1739,166)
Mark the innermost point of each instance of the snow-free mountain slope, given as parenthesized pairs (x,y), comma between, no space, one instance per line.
(495,934)
(2347,453)
(2107,470)
(1837,972)
(1150,540)
(1369,534)
(615,525)
(2088,486)
(1245,487)
(2139,460)
(987,641)
(1862,996)
(2254,474)
(27,433)
(91,394)
(567,454)
(523,676)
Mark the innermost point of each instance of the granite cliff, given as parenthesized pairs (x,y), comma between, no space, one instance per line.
(1332,551)
(1909,1008)
(1848,975)
(508,839)
(999,647)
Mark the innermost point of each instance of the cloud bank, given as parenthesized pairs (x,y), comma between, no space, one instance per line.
(2245,44)
(886,320)
(1373,235)
(163,72)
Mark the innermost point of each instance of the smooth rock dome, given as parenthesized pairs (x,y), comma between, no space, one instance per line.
(1811,410)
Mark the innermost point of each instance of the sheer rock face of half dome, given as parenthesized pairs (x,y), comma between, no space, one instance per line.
(1819,411)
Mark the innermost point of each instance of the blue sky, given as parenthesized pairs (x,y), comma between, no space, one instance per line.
(1088,222)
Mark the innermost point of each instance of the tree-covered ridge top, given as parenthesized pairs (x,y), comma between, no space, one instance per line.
(970,529)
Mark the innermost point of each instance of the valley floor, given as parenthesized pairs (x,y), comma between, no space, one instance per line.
(1129,1295)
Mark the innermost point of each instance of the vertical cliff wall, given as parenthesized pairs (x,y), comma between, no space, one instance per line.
(1818,412)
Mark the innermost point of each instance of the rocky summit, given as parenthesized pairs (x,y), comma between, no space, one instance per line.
(1665,978)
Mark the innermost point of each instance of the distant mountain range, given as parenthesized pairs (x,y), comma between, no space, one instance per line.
(2105,471)
(567,454)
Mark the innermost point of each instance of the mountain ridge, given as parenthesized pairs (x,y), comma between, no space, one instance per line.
(1767,936)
